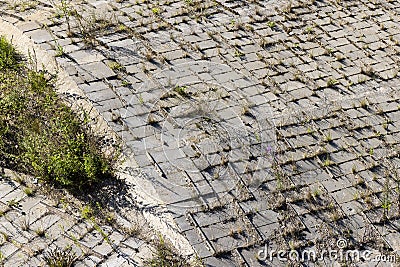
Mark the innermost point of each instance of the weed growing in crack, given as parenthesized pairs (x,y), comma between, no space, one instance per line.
(331,82)
(271,24)
(164,256)
(12,203)
(155,10)
(59,51)
(60,258)
(28,191)
(364,103)
(181,90)
(24,223)
(116,66)
(40,232)
(328,137)
(386,202)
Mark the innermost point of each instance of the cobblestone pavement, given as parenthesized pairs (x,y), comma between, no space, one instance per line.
(261,124)
(33,225)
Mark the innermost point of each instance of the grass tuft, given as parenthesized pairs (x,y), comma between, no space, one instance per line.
(60,258)
(165,257)
(9,58)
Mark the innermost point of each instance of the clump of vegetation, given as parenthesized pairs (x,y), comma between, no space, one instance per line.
(9,58)
(40,134)
(165,257)
(181,90)
(331,82)
(60,258)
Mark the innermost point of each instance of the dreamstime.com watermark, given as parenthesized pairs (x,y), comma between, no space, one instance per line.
(339,254)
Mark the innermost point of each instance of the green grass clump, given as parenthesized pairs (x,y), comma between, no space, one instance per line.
(9,58)
(40,134)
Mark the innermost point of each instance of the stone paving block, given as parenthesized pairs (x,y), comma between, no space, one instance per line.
(99,70)
(92,239)
(352,207)
(393,240)
(344,195)
(17,259)
(175,195)
(40,36)
(265,217)
(103,249)
(134,243)
(59,227)
(114,260)
(116,238)
(110,104)
(5,189)
(28,26)
(214,262)
(33,261)
(37,245)
(268,231)
(14,196)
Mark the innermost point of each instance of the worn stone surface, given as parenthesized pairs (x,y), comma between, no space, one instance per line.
(34,225)
(259,123)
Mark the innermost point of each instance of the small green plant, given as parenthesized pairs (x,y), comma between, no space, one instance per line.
(126,83)
(115,66)
(271,24)
(12,203)
(328,137)
(40,232)
(181,90)
(5,236)
(87,212)
(9,58)
(59,51)
(329,50)
(28,191)
(122,28)
(238,53)
(66,11)
(155,10)
(309,29)
(364,103)
(386,204)
(327,162)
(331,82)
(316,193)
(140,98)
